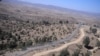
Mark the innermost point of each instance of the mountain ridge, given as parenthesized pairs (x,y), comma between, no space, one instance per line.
(49,11)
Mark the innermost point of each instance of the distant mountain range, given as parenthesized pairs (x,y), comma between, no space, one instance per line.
(53,7)
(50,11)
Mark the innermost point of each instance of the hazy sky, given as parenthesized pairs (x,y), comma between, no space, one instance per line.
(82,5)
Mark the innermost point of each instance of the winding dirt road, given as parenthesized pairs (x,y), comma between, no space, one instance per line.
(63,46)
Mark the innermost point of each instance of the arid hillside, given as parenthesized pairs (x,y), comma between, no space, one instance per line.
(23,25)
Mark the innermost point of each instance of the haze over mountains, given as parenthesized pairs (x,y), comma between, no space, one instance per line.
(48,11)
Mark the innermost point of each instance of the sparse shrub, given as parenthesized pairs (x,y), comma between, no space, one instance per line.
(29,43)
(19,37)
(64,53)
(22,32)
(45,39)
(10,35)
(94,25)
(12,45)
(86,41)
(98,44)
(2,46)
(36,40)
(46,23)
(54,38)
(76,52)
(67,21)
(60,22)
(53,54)
(88,53)
(33,27)
(21,44)
(93,30)
(0,30)
(27,21)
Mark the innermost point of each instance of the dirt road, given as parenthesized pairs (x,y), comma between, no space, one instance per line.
(63,46)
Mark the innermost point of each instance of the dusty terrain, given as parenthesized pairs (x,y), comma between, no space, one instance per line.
(64,46)
(74,45)
(24,31)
